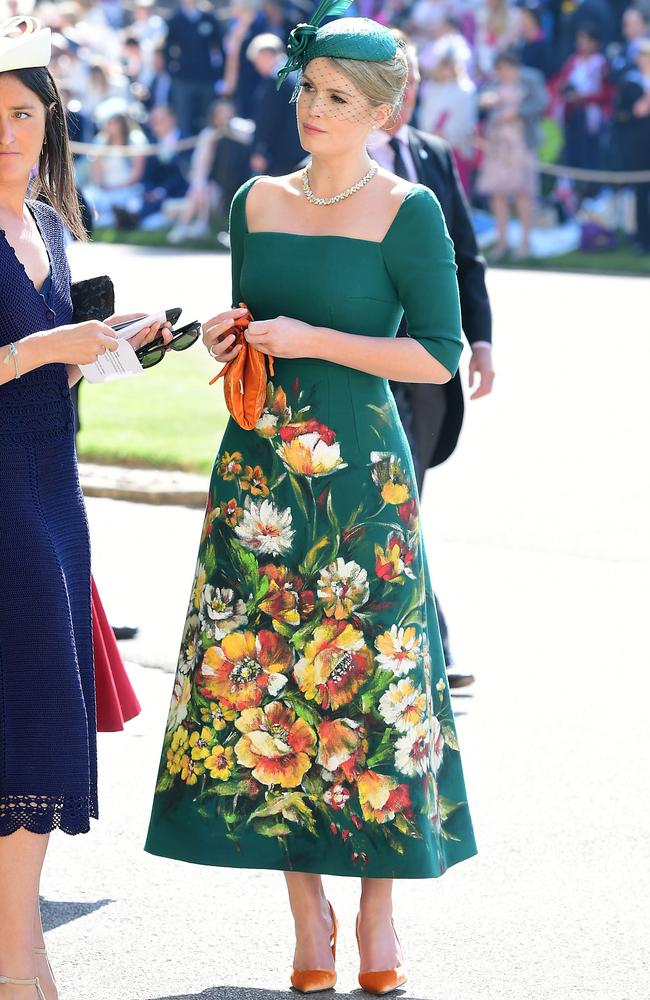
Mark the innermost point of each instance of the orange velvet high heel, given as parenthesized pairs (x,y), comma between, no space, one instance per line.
(317,980)
(382,982)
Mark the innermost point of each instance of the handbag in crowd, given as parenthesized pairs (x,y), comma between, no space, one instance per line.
(245,378)
(93,298)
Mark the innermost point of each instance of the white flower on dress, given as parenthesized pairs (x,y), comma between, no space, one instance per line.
(413,750)
(189,647)
(344,588)
(399,650)
(265,529)
(337,796)
(310,455)
(403,705)
(220,612)
(180,701)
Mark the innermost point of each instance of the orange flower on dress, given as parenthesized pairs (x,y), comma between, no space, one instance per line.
(276,413)
(394,561)
(255,481)
(285,600)
(230,465)
(381,797)
(342,747)
(245,666)
(276,744)
(336,664)
(230,512)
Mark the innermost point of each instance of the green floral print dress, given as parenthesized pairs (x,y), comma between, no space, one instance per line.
(311,727)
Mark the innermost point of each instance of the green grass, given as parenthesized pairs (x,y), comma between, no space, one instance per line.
(169,417)
(622,262)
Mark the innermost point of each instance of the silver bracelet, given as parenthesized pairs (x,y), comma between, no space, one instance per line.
(12,352)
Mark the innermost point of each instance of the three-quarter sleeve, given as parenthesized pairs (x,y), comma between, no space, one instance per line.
(237,230)
(419,256)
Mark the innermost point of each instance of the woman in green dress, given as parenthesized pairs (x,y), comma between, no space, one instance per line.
(311,729)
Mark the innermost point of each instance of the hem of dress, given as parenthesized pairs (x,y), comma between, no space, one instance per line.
(316,869)
(48,824)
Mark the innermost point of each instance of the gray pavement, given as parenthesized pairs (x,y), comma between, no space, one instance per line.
(539,546)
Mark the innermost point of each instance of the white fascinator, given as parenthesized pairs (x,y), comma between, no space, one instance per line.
(24,44)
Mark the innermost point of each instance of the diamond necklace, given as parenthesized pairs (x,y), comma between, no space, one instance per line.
(314,200)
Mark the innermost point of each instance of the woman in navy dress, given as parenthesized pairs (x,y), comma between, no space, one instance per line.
(48,761)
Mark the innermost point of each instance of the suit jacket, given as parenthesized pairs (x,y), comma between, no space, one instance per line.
(437,410)
(276,129)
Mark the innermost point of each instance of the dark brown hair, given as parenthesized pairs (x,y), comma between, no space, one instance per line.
(55,183)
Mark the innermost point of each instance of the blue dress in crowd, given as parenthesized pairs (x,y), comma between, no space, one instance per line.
(48,758)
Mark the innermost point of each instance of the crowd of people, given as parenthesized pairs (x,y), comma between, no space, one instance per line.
(505,83)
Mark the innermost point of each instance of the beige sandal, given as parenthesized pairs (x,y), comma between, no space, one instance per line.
(7,981)
(44,954)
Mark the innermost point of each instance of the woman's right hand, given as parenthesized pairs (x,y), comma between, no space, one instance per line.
(217,338)
(82,343)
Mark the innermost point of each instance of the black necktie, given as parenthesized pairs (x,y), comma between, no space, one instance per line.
(400,165)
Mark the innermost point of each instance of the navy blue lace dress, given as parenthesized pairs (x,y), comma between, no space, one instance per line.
(48,759)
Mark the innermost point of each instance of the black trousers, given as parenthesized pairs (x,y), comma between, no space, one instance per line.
(405,410)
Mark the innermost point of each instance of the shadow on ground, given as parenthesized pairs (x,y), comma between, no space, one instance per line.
(56,914)
(246,993)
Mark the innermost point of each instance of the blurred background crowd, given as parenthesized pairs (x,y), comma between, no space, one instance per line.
(514,87)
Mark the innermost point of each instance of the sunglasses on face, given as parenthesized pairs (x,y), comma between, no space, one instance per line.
(153,353)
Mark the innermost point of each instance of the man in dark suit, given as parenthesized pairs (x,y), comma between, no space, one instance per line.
(276,142)
(433,414)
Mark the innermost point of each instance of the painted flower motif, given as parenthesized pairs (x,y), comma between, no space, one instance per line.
(191,770)
(230,466)
(420,749)
(218,714)
(177,750)
(221,612)
(335,665)
(389,477)
(201,742)
(408,514)
(200,580)
(343,586)
(255,481)
(220,762)
(382,797)
(342,746)
(180,702)
(230,512)
(403,705)
(394,561)
(276,744)
(336,797)
(189,646)
(244,667)
(265,529)
(276,413)
(310,449)
(285,600)
(211,514)
(399,649)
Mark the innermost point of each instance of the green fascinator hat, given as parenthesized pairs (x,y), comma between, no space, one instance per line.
(348,38)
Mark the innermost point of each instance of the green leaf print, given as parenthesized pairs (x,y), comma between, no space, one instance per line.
(449,734)
(292,806)
(312,563)
(447,808)
(299,495)
(209,560)
(165,782)
(302,709)
(271,827)
(384,751)
(245,565)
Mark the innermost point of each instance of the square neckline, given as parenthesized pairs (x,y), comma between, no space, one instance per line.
(324,236)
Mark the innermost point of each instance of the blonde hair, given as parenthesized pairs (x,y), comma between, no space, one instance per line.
(379,82)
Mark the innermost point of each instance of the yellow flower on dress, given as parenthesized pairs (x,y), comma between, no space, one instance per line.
(218,714)
(191,770)
(343,586)
(382,797)
(201,743)
(276,744)
(389,478)
(230,465)
(403,705)
(176,752)
(310,449)
(244,667)
(335,665)
(180,702)
(200,581)
(220,762)
(399,649)
(255,481)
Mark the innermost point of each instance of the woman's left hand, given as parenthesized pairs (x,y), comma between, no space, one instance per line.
(282,337)
(146,335)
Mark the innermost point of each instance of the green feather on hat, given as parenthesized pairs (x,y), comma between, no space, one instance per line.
(349,38)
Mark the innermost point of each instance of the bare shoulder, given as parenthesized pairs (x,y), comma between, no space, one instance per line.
(270,199)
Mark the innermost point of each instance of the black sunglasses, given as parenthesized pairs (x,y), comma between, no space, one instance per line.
(153,353)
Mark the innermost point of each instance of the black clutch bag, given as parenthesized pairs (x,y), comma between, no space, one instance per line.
(93,298)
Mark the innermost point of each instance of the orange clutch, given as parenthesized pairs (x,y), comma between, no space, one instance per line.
(245,378)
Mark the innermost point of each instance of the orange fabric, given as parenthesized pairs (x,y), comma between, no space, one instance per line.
(245,378)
